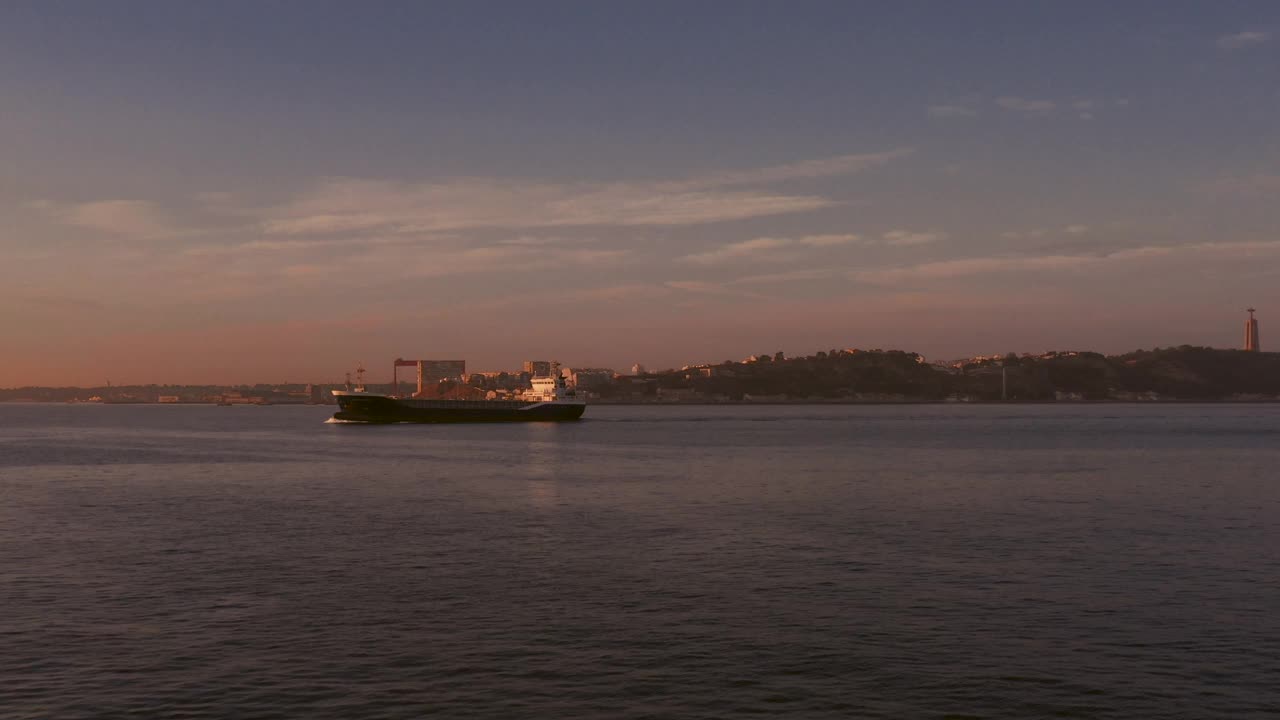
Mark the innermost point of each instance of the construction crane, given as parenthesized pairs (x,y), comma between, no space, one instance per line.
(395,373)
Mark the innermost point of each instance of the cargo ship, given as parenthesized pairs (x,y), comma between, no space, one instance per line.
(549,400)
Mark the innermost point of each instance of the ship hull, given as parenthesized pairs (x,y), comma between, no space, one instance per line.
(381,409)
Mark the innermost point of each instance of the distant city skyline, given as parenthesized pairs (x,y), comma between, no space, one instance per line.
(244,192)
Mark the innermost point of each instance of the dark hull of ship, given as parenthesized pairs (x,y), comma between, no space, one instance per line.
(379,409)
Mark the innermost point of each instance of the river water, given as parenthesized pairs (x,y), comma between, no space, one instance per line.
(681,562)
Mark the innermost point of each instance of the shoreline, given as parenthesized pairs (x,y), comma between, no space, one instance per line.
(737,403)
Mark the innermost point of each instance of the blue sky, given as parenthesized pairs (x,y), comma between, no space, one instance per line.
(277,190)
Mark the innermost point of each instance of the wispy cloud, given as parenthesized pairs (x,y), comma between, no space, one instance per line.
(967,267)
(1242,40)
(702,287)
(824,167)
(961,268)
(524,256)
(1024,234)
(1076,229)
(765,248)
(698,286)
(789,276)
(543,240)
(335,213)
(1025,105)
(1256,185)
(1084,108)
(254,267)
(951,111)
(403,261)
(56,303)
(944,269)
(347,206)
(573,298)
(746,249)
(128,218)
(902,238)
(277,245)
(827,240)
(344,205)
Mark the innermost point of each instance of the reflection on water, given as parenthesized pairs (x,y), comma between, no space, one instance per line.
(1099,561)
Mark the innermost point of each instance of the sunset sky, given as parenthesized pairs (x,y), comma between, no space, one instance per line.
(275,191)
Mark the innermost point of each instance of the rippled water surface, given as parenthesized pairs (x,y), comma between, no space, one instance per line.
(895,562)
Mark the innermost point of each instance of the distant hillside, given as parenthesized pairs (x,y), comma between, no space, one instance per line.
(1181,373)
(1198,372)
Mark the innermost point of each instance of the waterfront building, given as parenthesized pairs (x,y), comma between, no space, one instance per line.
(434,371)
(538,368)
(587,378)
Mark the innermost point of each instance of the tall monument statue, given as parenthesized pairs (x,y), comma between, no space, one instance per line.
(1251,333)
